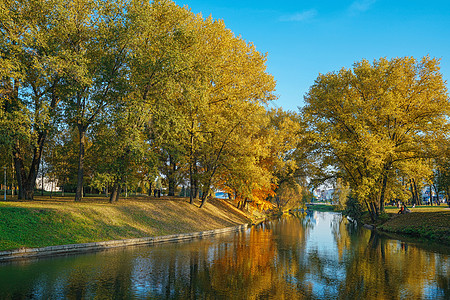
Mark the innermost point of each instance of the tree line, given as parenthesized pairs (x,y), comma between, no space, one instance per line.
(114,93)
(107,94)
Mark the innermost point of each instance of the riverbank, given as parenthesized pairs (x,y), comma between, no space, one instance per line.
(429,225)
(323,207)
(423,222)
(60,221)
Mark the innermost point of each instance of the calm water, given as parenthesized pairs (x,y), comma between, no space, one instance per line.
(317,256)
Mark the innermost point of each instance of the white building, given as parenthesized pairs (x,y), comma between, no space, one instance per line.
(49,185)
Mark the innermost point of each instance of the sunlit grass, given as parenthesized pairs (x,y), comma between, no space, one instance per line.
(60,220)
(421,208)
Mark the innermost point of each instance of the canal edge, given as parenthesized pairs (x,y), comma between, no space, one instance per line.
(25,253)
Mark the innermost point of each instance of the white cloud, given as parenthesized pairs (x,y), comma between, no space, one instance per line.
(361,5)
(299,17)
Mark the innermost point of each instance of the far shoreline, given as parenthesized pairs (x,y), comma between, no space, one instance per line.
(429,223)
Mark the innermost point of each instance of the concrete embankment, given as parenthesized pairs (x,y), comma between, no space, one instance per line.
(24,253)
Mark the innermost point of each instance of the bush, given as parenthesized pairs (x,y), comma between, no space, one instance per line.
(383,217)
(353,208)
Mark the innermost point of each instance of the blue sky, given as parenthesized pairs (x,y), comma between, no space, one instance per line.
(305,38)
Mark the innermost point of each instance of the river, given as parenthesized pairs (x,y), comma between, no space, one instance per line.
(314,256)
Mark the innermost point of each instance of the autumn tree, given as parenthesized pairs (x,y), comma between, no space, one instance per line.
(289,159)
(97,33)
(203,83)
(374,118)
(32,85)
(238,87)
(163,72)
(243,171)
(120,145)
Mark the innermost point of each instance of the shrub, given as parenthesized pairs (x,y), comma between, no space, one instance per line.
(353,208)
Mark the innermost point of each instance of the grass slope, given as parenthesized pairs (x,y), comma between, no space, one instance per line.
(427,224)
(58,221)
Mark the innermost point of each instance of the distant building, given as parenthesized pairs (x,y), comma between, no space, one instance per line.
(323,193)
(49,185)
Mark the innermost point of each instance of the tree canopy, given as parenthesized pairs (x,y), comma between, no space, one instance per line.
(116,94)
(137,90)
(375,123)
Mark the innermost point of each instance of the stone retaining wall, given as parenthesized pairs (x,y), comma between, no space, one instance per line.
(98,246)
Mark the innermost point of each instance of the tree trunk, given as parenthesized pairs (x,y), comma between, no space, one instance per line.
(414,200)
(171,176)
(20,174)
(372,216)
(205,195)
(416,191)
(383,193)
(42,177)
(191,166)
(236,199)
(13,177)
(436,190)
(80,174)
(114,197)
(27,183)
(448,196)
(191,185)
(373,211)
(150,188)
(245,203)
(431,196)
(196,185)
(193,189)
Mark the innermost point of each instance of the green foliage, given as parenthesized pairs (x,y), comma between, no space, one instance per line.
(341,194)
(353,208)
(138,90)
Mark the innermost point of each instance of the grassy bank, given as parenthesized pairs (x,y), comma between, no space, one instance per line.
(59,221)
(424,224)
(427,222)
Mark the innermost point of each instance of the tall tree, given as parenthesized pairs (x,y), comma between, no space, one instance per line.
(237,88)
(32,82)
(97,33)
(199,75)
(373,118)
(120,147)
(163,72)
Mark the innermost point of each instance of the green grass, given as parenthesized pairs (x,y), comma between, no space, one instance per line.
(431,224)
(323,207)
(419,208)
(61,221)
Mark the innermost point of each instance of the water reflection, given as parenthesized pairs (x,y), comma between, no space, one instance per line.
(307,256)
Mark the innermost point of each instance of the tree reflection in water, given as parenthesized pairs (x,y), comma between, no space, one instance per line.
(307,256)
